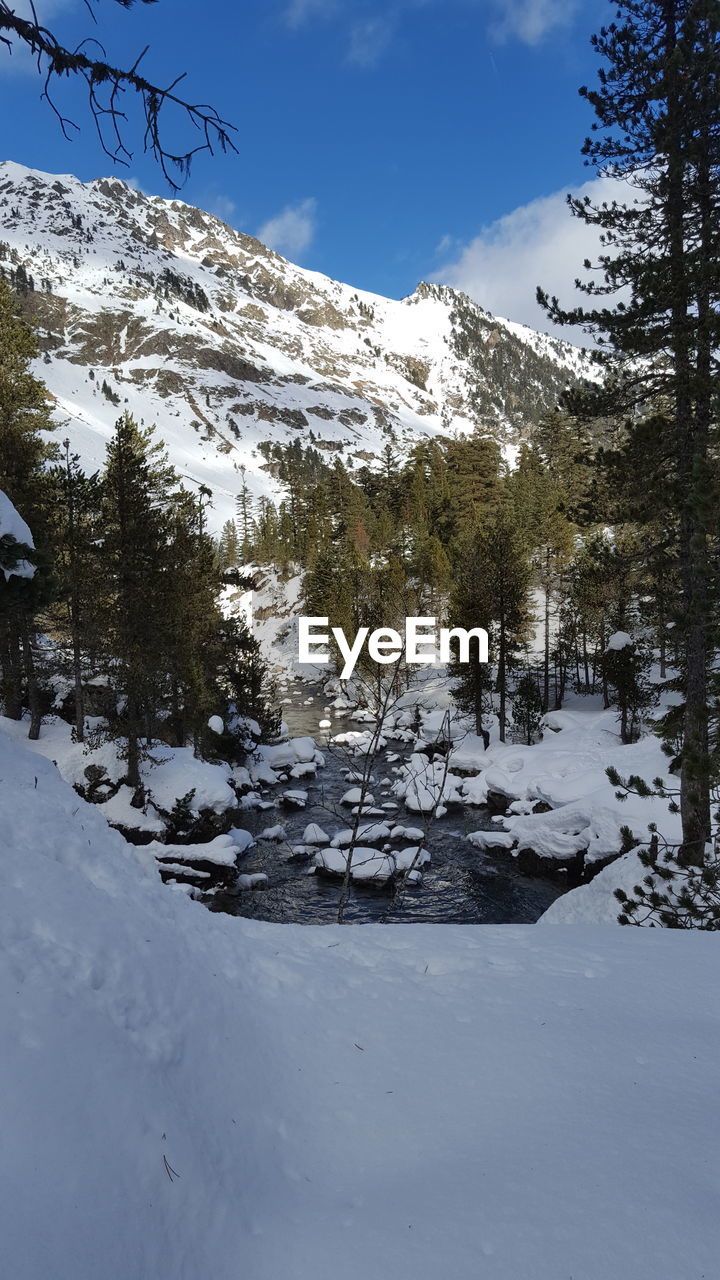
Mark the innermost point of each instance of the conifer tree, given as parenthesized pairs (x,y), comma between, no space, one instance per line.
(658,126)
(626,665)
(136,489)
(527,706)
(192,621)
(508,570)
(75,517)
(244,516)
(229,546)
(24,417)
(472,605)
(538,500)
(493,592)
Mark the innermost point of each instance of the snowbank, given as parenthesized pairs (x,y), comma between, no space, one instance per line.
(191,1095)
(13,526)
(595,903)
(566,772)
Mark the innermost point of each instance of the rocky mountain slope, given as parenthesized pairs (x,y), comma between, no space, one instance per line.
(154,306)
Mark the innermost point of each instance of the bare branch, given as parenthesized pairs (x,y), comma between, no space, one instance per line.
(105,86)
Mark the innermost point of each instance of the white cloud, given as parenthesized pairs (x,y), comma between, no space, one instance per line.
(369,41)
(222,207)
(370,33)
(538,244)
(298,12)
(446,244)
(291,231)
(530,20)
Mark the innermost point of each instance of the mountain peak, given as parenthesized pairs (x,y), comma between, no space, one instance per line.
(161,308)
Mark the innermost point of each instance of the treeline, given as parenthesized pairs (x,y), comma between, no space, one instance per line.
(121,615)
(539,554)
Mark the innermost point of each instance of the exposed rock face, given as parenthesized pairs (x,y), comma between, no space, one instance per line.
(223,344)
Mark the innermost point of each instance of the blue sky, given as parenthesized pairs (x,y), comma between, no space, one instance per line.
(379,142)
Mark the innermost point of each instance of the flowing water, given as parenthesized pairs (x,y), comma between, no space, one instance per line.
(461,885)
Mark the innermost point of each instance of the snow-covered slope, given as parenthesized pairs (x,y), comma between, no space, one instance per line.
(15,530)
(225,345)
(188,1095)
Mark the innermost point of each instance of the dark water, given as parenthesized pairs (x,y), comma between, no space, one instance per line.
(461,885)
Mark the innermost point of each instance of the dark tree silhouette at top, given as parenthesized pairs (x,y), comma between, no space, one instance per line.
(106,85)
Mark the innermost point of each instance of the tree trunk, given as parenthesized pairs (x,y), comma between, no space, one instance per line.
(546,668)
(691,442)
(586,661)
(133,746)
(502,678)
(32,684)
(77,676)
(12,672)
(478,700)
(624,723)
(605,689)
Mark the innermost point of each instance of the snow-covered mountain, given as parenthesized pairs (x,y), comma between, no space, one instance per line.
(154,306)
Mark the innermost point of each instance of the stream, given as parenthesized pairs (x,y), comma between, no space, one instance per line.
(460,886)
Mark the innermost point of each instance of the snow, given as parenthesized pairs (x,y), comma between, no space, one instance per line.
(415,856)
(354,795)
(372,832)
(296,798)
(427,786)
(286,755)
(303,771)
(241,838)
(313,834)
(257,880)
(407,833)
(595,903)
(619,640)
(181,772)
(198,1095)
(366,864)
(219,383)
(120,811)
(168,773)
(13,526)
(222,851)
(215,723)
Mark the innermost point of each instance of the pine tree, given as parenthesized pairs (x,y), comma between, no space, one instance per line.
(626,668)
(192,621)
(473,481)
(658,126)
(243,687)
(136,492)
(75,517)
(229,546)
(472,605)
(492,592)
(434,574)
(538,501)
(24,416)
(244,514)
(507,566)
(527,706)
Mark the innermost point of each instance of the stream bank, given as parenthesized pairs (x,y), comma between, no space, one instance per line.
(460,886)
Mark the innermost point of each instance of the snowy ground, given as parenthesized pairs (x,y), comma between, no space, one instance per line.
(187,1095)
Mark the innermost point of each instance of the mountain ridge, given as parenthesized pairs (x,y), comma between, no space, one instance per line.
(158,307)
